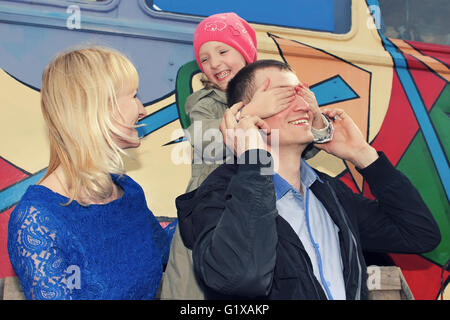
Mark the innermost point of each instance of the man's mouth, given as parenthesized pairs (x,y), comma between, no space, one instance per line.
(299,122)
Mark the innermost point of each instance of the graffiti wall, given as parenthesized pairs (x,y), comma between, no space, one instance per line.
(397,91)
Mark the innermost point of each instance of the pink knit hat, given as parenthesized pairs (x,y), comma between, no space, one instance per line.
(230,29)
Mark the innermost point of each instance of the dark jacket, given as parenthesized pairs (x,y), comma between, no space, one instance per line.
(243,248)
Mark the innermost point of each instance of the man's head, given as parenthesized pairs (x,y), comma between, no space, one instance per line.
(293,123)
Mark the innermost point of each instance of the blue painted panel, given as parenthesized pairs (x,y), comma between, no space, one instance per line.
(333,90)
(11,195)
(306,14)
(157,120)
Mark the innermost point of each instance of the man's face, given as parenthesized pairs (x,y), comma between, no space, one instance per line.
(293,123)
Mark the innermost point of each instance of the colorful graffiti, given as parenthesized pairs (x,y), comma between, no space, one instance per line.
(397,91)
(414,132)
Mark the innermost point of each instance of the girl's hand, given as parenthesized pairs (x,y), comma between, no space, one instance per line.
(267,102)
(309,97)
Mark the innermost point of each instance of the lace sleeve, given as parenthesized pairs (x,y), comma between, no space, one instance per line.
(37,260)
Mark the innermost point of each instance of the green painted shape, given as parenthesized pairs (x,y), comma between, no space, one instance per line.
(440,118)
(418,166)
(184,89)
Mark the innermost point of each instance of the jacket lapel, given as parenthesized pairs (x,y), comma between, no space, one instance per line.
(323,193)
(286,232)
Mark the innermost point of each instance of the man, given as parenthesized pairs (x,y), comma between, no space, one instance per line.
(296,233)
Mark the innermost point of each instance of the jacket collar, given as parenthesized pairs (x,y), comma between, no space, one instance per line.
(307,176)
(216,94)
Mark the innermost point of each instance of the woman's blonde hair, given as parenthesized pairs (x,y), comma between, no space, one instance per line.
(78,102)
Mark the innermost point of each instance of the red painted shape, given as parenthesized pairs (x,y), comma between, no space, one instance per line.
(437,51)
(9,174)
(366,191)
(348,180)
(430,85)
(423,277)
(399,125)
(6,269)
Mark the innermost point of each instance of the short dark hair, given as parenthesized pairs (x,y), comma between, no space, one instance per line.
(242,86)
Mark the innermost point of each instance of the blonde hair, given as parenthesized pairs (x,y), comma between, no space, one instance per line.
(78,102)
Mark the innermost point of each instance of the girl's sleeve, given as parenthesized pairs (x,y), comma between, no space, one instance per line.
(35,256)
(204,133)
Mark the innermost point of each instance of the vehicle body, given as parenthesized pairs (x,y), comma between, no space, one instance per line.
(397,91)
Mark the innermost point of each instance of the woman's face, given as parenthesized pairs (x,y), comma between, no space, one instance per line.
(220,62)
(130,111)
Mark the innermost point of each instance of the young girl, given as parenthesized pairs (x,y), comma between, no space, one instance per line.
(223,44)
(85,231)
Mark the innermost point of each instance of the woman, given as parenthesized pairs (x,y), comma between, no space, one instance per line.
(85,231)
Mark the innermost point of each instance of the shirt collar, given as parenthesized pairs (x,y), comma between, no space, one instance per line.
(307,177)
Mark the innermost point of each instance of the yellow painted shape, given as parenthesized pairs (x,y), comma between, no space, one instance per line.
(22,128)
(160,104)
(154,169)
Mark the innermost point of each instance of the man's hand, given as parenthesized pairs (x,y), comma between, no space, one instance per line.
(245,134)
(348,143)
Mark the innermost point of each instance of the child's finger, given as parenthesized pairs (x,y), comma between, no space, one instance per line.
(283,103)
(284,92)
(304,85)
(234,109)
(307,93)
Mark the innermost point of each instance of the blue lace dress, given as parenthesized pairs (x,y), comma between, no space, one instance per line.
(109,251)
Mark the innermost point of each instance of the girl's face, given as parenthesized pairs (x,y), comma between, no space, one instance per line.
(130,111)
(220,62)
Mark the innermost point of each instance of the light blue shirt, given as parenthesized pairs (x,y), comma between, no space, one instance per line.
(315,229)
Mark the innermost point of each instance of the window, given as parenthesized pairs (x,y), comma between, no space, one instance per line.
(319,15)
(417,20)
(91,5)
